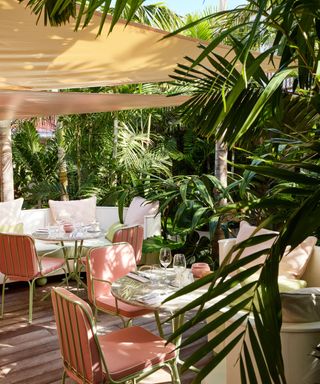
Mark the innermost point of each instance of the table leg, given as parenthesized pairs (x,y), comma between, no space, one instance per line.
(75,274)
(177,322)
(77,262)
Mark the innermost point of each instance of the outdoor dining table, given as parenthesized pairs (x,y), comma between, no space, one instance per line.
(150,288)
(75,237)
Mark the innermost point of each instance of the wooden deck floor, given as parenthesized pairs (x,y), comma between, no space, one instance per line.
(30,353)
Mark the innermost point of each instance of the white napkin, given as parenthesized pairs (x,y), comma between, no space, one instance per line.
(137,277)
(151,298)
(42,230)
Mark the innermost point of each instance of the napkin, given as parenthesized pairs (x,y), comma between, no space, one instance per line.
(137,277)
(151,298)
(42,230)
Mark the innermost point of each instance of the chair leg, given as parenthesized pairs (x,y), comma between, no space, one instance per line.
(63,379)
(66,275)
(159,326)
(95,314)
(126,323)
(31,289)
(175,376)
(2,301)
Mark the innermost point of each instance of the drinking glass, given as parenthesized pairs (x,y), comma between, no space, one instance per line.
(179,263)
(179,266)
(165,258)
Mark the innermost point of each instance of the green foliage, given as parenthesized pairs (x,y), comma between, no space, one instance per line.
(234,100)
(35,166)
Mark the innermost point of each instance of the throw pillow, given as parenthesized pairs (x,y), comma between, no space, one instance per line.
(245,231)
(10,212)
(285,285)
(81,211)
(112,230)
(294,264)
(138,209)
(301,306)
(14,228)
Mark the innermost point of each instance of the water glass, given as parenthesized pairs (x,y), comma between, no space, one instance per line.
(179,266)
(179,262)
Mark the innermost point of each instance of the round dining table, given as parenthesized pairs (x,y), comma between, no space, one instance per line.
(76,238)
(150,288)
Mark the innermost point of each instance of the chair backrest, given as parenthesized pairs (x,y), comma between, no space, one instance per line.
(108,263)
(18,257)
(132,235)
(77,337)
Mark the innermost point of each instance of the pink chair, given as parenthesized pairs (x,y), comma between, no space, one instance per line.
(104,266)
(132,235)
(19,262)
(128,354)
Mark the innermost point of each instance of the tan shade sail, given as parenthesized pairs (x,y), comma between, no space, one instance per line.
(43,57)
(24,104)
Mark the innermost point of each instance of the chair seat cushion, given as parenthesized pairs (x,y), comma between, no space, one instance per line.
(108,303)
(133,349)
(50,264)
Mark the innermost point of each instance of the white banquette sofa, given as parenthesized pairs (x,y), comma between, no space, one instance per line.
(298,337)
(33,219)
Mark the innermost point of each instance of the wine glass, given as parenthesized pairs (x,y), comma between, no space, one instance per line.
(165,258)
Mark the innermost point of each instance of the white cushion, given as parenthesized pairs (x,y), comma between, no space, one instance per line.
(301,306)
(245,231)
(294,264)
(285,285)
(138,208)
(77,211)
(10,211)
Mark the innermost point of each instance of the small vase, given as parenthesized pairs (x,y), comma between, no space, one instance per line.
(68,228)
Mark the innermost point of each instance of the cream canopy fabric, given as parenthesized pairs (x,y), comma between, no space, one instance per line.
(44,57)
(39,58)
(26,104)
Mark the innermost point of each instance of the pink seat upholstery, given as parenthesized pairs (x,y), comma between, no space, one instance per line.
(132,235)
(104,266)
(127,354)
(19,261)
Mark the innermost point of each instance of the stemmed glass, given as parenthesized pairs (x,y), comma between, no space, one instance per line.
(165,258)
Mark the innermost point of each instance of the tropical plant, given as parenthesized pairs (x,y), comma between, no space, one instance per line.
(36,166)
(232,100)
(58,13)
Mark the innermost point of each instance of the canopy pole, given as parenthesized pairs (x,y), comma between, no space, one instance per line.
(6,167)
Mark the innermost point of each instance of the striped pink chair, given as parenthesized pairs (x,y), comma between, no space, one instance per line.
(128,354)
(132,235)
(19,262)
(104,266)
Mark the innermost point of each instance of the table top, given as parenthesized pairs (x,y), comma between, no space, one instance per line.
(151,292)
(63,236)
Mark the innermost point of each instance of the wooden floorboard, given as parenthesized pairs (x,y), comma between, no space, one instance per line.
(30,353)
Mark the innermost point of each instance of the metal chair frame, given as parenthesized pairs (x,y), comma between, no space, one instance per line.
(134,378)
(31,281)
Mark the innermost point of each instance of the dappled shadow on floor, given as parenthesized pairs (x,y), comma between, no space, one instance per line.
(29,353)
